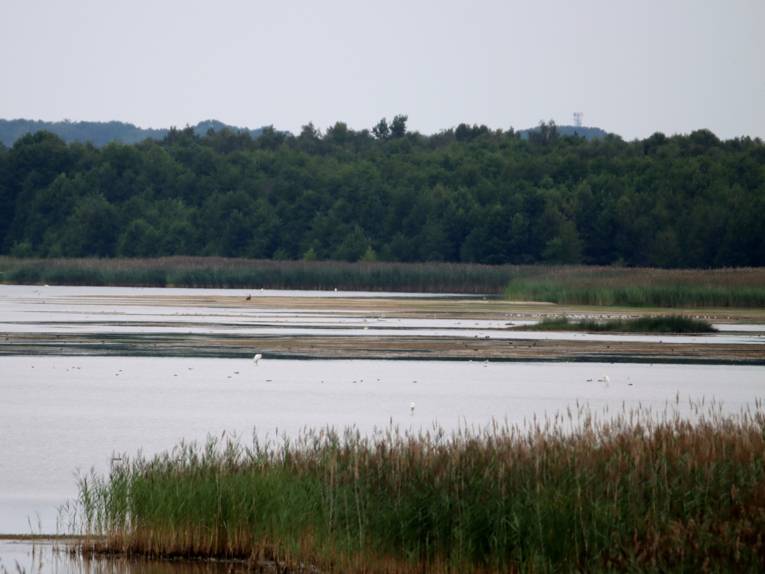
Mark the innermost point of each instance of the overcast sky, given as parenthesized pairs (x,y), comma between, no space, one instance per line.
(632,67)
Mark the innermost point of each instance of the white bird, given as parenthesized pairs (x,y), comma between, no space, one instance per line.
(411,408)
(256,358)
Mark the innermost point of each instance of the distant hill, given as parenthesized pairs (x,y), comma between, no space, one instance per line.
(100,133)
(588,133)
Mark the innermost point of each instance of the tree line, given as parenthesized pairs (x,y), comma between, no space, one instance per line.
(464,194)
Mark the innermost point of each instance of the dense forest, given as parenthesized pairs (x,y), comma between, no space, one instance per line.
(465,194)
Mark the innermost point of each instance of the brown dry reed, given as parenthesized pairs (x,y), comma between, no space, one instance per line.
(574,284)
(635,491)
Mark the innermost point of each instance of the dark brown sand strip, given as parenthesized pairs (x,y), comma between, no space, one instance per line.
(372,347)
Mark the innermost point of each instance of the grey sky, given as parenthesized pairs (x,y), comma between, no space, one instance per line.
(632,67)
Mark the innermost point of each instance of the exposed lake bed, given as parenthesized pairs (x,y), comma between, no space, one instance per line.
(224,323)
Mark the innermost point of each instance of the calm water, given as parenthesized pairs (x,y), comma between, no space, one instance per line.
(59,415)
(42,557)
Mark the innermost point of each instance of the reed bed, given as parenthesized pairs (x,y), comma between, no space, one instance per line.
(637,491)
(576,284)
(664,324)
(216,272)
(635,287)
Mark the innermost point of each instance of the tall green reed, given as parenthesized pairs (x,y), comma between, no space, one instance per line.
(572,492)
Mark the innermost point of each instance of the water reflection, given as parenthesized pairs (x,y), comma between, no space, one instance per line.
(55,557)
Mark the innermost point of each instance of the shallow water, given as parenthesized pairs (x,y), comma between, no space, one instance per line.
(49,557)
(60,414)
(91,310)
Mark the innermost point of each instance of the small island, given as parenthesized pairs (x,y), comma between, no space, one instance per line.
(671,324)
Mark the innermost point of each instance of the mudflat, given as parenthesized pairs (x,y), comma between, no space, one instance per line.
(65,321)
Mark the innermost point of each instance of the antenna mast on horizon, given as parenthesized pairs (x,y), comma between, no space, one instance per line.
(578,119)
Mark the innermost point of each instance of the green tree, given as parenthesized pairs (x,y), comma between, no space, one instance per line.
(381,131)
(398,126)
(138,239)
(565,247)
(353,246)
(92,229)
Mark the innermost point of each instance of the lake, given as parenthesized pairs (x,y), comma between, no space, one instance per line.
(63,414)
